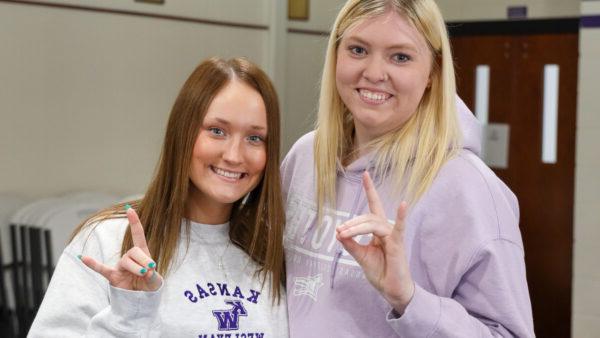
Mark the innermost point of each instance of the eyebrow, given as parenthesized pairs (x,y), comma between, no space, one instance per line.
(397,46)
(227,123)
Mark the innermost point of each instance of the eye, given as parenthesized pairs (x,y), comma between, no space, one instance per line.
(256,139)
(216,131)
(357,50)
(400,58)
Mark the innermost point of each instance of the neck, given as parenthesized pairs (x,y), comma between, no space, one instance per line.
(360,140)
(203,210)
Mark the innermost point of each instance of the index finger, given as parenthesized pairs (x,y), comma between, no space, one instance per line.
(372,196)
(137,231)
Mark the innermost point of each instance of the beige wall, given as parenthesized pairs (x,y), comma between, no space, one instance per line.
(84,96)
(586,283)
(246,11)
(469,10)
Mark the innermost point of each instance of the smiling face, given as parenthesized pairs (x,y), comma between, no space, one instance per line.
(230,152)
(382,70)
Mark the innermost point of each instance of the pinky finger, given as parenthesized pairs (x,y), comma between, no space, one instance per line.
(154,279)
(100,268)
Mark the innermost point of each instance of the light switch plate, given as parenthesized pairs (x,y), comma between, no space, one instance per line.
(496,137)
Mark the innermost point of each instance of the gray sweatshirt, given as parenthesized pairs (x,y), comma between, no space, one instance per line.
(462,242)
(198,299)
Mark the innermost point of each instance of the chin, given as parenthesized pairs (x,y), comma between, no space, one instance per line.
(229,199)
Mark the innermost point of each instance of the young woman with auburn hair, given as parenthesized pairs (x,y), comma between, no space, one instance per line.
(395,227)
(205,256)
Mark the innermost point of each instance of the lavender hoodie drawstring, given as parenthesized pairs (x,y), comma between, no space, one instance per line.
(334,263)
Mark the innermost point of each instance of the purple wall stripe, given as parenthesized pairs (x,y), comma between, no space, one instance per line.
(590,21)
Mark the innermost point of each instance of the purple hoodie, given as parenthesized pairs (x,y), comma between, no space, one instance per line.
(463,245)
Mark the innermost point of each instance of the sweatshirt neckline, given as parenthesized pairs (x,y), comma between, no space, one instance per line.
(209,232)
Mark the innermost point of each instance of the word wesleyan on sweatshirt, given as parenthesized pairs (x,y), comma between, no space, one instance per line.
(233,335)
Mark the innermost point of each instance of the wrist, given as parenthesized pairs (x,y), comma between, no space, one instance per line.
(401,301)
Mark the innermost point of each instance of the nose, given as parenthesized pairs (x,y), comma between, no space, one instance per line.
(233,152)
(375,71)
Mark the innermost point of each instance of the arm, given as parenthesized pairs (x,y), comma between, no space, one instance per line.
(82,302)
(491,300)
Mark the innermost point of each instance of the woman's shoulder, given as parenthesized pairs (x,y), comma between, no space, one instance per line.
(469,193)
(303,145)
(469,175)
(301,152)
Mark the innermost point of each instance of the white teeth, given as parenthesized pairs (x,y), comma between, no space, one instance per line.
(373,96)
(227,174)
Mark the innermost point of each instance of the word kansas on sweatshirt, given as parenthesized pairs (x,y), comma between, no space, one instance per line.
(229,310)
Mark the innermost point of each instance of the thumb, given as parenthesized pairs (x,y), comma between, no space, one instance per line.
(354,249)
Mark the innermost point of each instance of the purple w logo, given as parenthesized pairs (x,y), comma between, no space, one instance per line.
(229,319)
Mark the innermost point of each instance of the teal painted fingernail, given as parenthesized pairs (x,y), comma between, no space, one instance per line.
(127,206)
(143,271)
(153,275)
(79,256)
(151,265)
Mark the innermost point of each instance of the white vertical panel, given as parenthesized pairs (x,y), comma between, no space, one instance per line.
(550,117)
(482,93)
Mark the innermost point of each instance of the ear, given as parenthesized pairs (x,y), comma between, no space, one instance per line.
(430,79)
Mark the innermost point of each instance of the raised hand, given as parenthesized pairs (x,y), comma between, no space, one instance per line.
(383,259)
(136,269)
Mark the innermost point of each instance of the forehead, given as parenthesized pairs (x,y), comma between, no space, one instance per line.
(390,28)
(238,103)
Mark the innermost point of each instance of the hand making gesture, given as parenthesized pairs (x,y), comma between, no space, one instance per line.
(136,269)
(383,259)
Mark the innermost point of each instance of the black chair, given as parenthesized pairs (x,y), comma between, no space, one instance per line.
(7,315)
(31,270)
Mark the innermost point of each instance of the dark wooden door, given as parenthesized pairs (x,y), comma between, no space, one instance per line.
(545,191)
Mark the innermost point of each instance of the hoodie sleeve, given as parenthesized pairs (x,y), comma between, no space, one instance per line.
(79,302)
(468,259)
(491,300)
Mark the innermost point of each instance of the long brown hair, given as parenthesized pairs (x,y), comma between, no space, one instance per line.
(255,226)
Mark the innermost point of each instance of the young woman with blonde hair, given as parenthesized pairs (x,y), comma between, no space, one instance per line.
(394,226)
(205,256)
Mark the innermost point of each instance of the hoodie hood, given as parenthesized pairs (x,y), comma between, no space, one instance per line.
(470,128)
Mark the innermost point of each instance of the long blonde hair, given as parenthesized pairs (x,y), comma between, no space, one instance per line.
(256,226)
(414,153)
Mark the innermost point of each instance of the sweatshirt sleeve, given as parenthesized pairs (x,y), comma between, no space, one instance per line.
(491,300)
(79,302)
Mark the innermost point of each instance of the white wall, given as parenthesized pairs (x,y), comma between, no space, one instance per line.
(84,95)
(586,283)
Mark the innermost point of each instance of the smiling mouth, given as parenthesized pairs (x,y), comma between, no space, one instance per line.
(231,175)
(372,96)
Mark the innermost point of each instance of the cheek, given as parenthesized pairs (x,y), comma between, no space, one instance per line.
(411,83)
(203,151)
(258,161)
(345,71)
